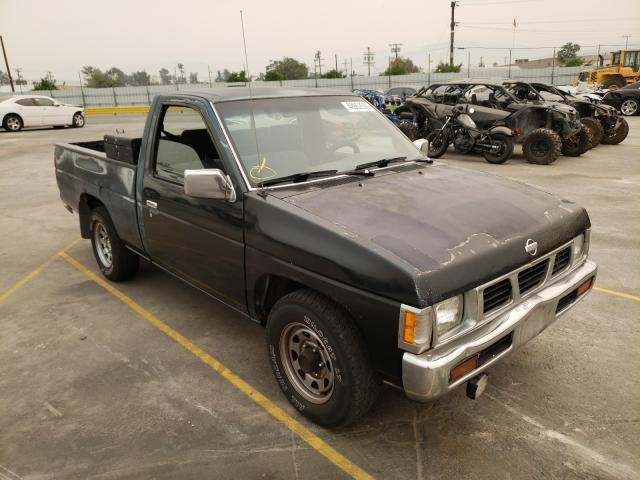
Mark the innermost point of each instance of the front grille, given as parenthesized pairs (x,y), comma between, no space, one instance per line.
(567,300)
(562,260)
(531,277)
(497,295)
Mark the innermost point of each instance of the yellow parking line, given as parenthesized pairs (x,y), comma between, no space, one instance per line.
(291,423)
(35,271)
(618,294)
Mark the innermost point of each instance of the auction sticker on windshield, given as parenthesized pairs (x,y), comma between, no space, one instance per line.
(358,106)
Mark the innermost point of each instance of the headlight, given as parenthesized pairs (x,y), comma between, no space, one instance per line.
(579,248)
(448,314)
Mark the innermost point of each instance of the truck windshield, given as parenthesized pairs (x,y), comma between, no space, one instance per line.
(283,136)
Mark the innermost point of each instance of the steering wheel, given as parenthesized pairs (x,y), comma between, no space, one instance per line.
(333,148)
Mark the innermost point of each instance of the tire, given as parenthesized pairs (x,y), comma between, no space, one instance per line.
(345,386)
(613,83)
(116,262)
(596,128)
(577,144)
(410,130)
(629,107)
(542,146)
(78,120)
(438,144)
(617,134)
(12,123)
(505,151)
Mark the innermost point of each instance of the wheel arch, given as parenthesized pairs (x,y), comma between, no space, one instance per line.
(86,205)
(268,289)
(12,113)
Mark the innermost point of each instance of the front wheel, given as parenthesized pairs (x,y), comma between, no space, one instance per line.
(577,144)
(319,359)
(542,146)
(78,120)
(596,128)
(505,148)
(438,143)
(629,107)
(115,261)
(617,134)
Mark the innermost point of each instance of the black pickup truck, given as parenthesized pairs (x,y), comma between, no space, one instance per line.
(309,212)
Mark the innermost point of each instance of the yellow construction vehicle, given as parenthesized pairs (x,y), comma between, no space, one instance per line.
(623,68)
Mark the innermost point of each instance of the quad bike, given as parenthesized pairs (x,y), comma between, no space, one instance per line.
(602,120)
(544,129)
(381,102)
(495,144)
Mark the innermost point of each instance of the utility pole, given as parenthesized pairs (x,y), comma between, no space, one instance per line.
(6,62)
(318,58)
(395,48)
(346,69)
(428,69)
(336,57)
(19,79)
(469,63)
(209,70)
(368,60)
(510,62)
(453,26)
(626,43)
(351,66)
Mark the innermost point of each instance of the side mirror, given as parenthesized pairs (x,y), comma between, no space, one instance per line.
(208,183)
(422,144)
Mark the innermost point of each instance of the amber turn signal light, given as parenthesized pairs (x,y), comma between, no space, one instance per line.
(585,286)
(463,368)
(408,335)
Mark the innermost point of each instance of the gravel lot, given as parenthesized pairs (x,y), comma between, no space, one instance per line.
(89,389)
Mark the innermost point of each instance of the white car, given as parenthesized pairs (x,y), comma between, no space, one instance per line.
(21,111)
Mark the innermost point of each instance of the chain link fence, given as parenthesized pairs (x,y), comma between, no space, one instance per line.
(133,96)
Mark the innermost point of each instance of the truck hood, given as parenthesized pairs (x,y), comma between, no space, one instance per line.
(452,228)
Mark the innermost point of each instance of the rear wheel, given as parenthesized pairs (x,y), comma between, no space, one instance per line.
(438,143)
(505,144)
(596,128)
(115,261)
(630,107)
(12,123)
(319,359)
(613,83)
(542,146)
(577,144)
(617,134)
(410,130)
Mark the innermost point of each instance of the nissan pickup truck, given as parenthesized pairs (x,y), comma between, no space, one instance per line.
(309,212)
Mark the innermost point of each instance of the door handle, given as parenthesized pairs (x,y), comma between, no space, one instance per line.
(152,204)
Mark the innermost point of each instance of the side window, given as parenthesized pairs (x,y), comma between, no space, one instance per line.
(26,102)
(630,59)
(43,102)
(183,142)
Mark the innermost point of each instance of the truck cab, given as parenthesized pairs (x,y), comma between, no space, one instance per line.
(623,69)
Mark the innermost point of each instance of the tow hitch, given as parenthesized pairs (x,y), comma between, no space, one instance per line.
(477,385)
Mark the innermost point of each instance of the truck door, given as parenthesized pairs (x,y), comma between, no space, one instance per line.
(200,240)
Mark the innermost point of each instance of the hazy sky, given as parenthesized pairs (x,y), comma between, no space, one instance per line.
(63,36)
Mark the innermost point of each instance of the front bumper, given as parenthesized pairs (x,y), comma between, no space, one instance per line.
(426,376)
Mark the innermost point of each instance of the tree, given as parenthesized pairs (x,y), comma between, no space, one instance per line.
(193,77)
(223,76)
(568,55)
(446,68)
(45,83)
(240,76)
(165,78)
(181,78)
(333,74)
(139,78)
(96,78)
(286,69)
(401,66)
(117,76)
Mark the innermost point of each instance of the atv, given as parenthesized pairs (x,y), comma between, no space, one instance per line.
(545,129)
(606,125)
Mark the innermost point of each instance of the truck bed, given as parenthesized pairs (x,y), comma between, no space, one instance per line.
(84,174)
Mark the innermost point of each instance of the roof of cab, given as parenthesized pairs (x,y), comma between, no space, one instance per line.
(227,94)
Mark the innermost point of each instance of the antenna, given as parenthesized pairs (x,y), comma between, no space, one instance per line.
(246,59)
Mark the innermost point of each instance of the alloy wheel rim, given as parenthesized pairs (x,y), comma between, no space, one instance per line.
(628,107)
(79,121)
(307,363)
(103,245)
(13,123)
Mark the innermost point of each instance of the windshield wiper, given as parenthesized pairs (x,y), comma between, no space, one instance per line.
(383,162)
(298,177)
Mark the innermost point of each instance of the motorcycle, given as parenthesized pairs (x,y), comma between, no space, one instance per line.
(495,144)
